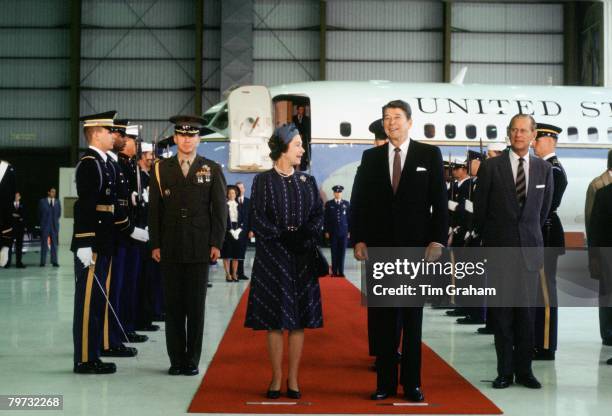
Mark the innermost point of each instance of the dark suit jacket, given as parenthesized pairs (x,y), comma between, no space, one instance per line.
(187,215)
(7,196)
(416,215)
(499,220)
(18,218)
(49,216)
(600,226)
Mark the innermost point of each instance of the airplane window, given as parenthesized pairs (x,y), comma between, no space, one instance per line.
(345,129)
(221,120)
(610,134)
(491,132)
(572,134)
(450,131)
(470,131)
(430,131)
(593,134)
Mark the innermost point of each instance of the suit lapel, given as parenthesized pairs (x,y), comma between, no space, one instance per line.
(409,165)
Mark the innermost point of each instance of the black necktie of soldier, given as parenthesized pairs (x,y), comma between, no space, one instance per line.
(521,183)
(397,169)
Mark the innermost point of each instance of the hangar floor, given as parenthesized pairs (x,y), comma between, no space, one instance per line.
(36,353)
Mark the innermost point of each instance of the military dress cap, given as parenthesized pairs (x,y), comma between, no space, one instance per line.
(146,147)
(132,130)
(377,128)
(338,188)
(474,155)
(286,132)
(457,163)
(188,125)
(99,120)
(548,130)
(120,125)
(497,146)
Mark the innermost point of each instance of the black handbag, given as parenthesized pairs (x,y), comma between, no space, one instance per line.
(321,266)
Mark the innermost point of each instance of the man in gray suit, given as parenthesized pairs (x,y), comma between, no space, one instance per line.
(49,211)
(512,201)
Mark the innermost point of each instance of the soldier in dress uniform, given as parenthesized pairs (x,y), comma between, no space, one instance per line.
(554,241)
(187,220)
(337,214)
(376,128)
(7,195)
(93,243)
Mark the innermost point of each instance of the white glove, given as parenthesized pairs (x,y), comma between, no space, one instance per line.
(85,255)
(4,256)
(140,234)
(145,194)
(469,206)
(236,233)
(452,205)
(134,195)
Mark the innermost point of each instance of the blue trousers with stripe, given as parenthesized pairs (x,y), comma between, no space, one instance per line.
(113,335)
(89,304)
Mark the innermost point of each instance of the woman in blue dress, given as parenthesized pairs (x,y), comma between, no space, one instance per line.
(287,216)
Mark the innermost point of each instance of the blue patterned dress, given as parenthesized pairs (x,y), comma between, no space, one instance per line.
(285,291)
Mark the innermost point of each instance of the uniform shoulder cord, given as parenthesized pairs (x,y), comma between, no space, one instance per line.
(158,178)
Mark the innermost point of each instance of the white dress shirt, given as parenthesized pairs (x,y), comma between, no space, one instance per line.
(113,156)
(100,152)
(403,152)
(514,162)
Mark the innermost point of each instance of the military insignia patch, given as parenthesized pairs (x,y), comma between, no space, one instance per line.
(203,174)
(167,192)
(303,178)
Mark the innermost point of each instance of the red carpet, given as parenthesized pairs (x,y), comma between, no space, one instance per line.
(334,377)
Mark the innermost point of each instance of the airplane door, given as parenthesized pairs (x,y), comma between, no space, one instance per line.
(250,128)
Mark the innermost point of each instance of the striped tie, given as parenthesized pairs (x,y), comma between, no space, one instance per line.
(521,184)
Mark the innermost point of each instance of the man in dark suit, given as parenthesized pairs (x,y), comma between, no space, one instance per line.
(187,220)
(546,317)
(49,212)
(302,122)
(7,195)
(399,200)
(244,207)
(600,234)
(512,202)
(17,216)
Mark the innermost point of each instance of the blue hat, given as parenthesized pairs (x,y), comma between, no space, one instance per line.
(286,132)
(338,188)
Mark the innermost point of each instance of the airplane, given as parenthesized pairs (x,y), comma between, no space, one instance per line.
(453,116)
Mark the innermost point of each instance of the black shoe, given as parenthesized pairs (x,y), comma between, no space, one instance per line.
(190,370)
(208,285)
(455,312)
(528,381)
(55,265)
(21,266)
(243,277)
(175,370)
(94,367)
(544,355)
(609,362)
(273,394)
(159,318)
(501,382)
(41,265)
(148,328)
(484,331)
(468,320)
(137,338)
(607,341)
(293,394)
(381,395)
(414,394)
(120,351)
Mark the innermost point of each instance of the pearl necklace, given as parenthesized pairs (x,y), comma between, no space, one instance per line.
(283,174)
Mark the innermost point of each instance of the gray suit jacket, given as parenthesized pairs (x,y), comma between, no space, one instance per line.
(498,218)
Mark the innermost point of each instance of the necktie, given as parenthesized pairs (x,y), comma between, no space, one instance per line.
(397,169)
(50,203)
(521,183)
(185,167)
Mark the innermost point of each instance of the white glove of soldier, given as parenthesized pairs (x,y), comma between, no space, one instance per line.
(140,234)
(85,255)
(469,206)
(134,195)
(452,205)
(145,194)
(236,233)
(4,256)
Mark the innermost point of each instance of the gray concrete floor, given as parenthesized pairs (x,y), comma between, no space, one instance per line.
(36,353)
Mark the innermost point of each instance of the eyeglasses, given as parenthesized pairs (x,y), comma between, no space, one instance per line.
(515,130)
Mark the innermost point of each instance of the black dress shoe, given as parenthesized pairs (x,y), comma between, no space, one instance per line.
(609,362)
(159,318)
(607,341)
(381,395)
(190,370)
(414,394)
(455,312)
(41,265)
(293,394)
(501,382)
(273,394)
(21,266)
(529,381)
(55,265)
(484,331)
(136,338)
(120,351)
(243,277)
(544,355)
(148,328)
(468,320)
(94,367)
(175,370)
(209,285)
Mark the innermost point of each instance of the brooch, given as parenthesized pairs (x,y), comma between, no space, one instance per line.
(303,178)
(203,174)
(167,192)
